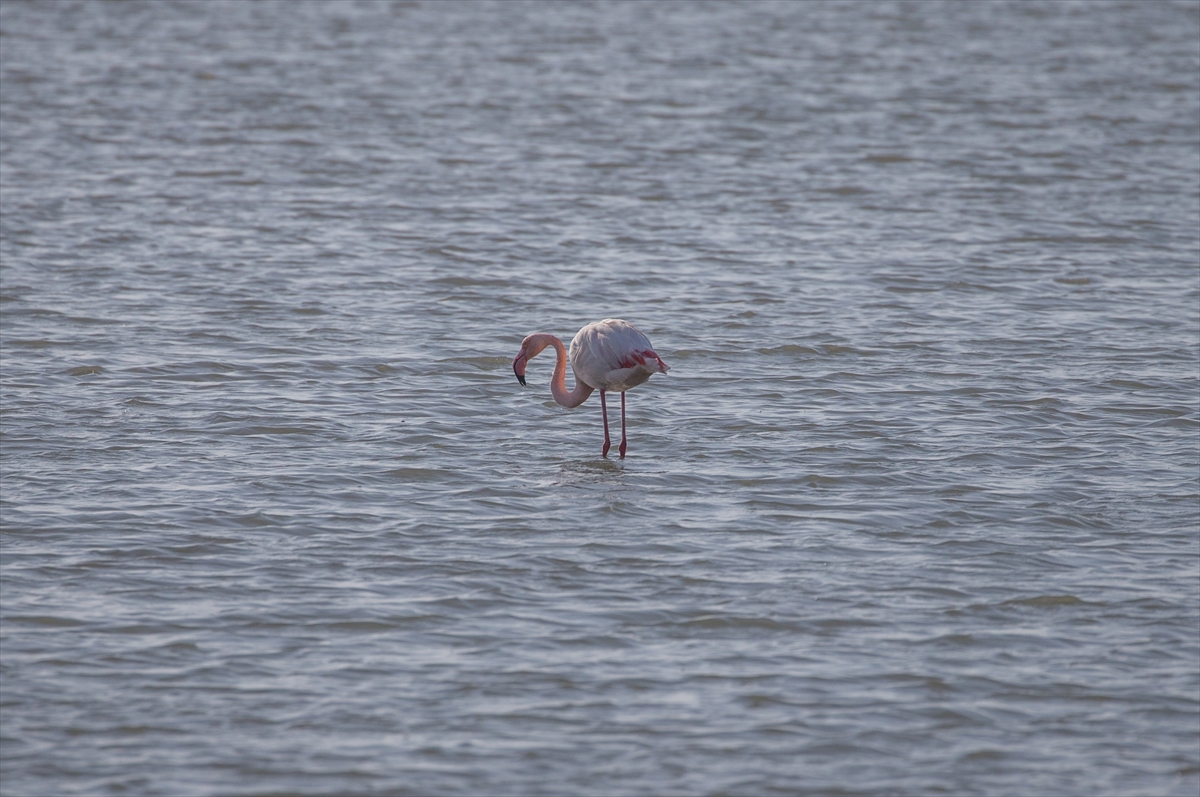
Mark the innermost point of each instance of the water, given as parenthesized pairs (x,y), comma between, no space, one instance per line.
(916,511)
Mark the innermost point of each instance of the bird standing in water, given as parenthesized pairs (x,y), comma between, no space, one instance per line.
(606,355)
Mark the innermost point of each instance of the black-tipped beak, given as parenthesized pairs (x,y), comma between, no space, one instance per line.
(519,366)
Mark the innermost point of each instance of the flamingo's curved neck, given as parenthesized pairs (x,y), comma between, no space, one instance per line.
(558,382)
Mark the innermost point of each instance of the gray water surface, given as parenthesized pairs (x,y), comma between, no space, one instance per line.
(916,511)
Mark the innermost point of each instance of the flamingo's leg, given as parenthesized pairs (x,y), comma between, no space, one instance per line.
(604,415)
(621,447)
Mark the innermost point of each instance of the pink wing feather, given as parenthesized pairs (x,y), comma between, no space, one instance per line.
(613,355)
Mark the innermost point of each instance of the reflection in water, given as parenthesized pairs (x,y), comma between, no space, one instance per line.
(591,471)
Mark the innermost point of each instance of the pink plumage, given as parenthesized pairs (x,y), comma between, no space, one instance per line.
(613,355)
(606,355)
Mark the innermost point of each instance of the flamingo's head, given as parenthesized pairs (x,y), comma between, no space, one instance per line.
(528,352)
(530,347)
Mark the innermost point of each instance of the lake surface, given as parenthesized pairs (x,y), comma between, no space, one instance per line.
(916,511)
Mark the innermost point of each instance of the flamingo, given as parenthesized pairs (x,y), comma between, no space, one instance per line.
(605,355)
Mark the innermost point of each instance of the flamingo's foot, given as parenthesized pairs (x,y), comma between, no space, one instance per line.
(621,449)
(608,445)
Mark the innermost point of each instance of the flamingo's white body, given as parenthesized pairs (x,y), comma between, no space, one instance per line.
(606,355)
